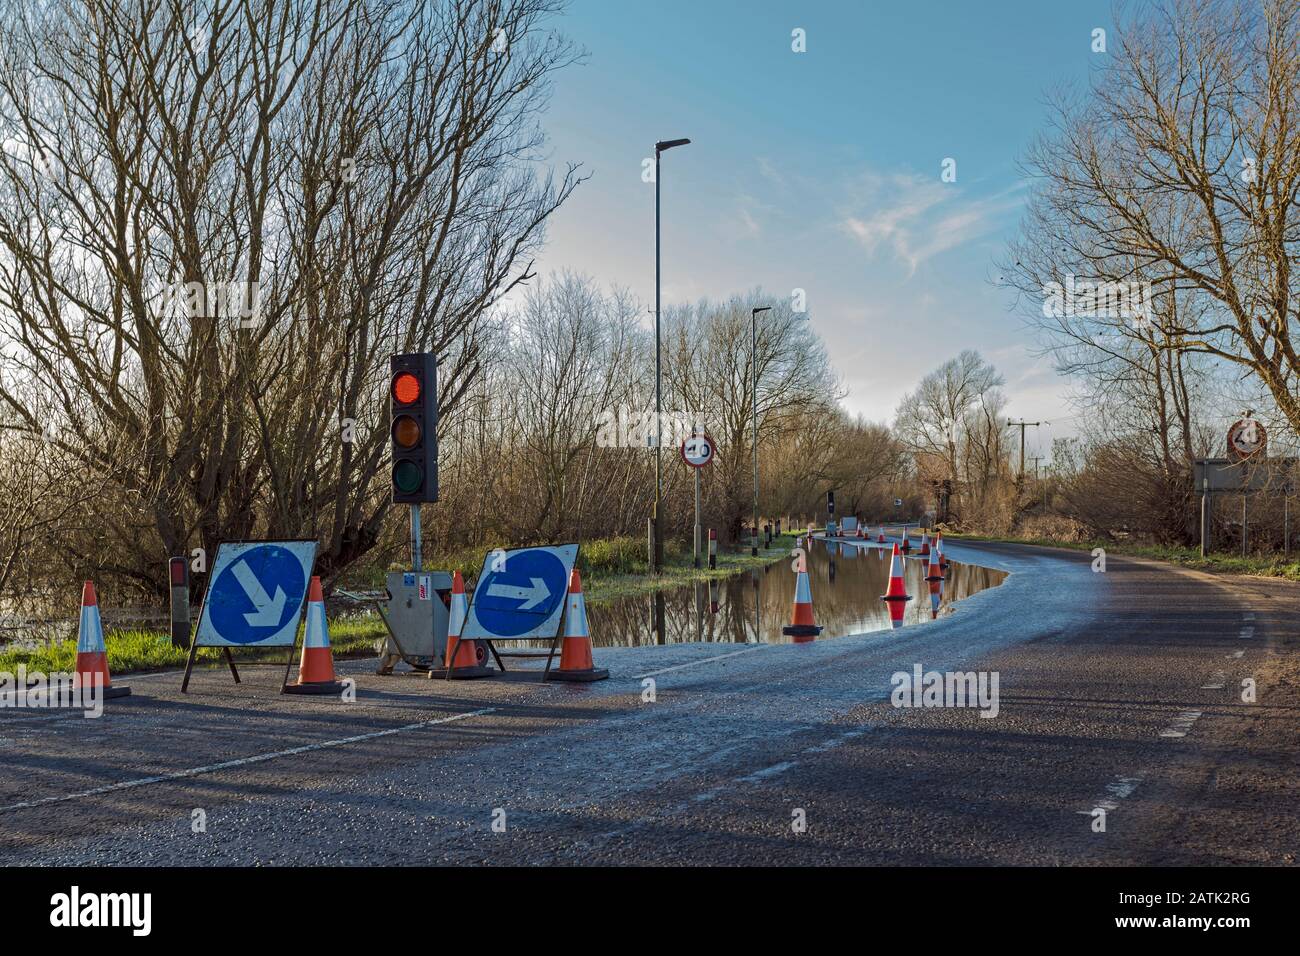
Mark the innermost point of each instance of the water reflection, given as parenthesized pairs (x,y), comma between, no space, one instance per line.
(847,583)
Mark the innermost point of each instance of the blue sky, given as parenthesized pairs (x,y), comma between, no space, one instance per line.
(822,170)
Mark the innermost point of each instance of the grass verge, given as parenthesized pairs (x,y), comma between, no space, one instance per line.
(1216,562)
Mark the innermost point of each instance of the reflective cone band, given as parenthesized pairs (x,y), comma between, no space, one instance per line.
(316,670)
(465,664)
(896,596)
(92,655)
(575,654)
(802,627)
(934,571)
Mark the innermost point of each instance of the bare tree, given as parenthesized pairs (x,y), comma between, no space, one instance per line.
(217,220)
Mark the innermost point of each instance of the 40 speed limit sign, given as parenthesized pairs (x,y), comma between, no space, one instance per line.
(698,451)
(1246,439)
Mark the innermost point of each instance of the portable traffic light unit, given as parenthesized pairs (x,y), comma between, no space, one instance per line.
(413,394)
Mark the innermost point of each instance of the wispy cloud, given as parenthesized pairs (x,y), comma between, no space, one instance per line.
(916,219)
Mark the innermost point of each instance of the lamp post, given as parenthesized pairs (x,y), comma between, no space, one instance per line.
(753,358)
(657,551)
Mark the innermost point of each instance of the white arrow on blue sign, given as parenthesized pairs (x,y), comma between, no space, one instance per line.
(255,593)
(521,595)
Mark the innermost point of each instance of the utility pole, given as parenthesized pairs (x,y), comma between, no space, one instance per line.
(1036,459)
(1022,425)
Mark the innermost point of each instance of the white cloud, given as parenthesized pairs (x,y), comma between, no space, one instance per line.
(917,219)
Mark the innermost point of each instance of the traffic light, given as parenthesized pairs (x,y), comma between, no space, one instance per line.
(413,391)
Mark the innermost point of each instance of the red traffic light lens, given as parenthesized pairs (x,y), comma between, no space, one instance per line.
(406,388)
(408,477)
(406,431)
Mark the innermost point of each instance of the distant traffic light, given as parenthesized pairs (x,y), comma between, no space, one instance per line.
(414,434)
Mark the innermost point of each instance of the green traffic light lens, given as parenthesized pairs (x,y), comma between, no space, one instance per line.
(408,477)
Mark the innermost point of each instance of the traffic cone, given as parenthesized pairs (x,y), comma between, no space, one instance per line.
(880,539)
(934,570)
(465,663)
(925,545)
(316,669)
(897,595)
(938,546)
(802,626)
(575,655)
(92,655)
(907,545)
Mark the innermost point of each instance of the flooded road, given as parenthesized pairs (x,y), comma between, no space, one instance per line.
(847,583)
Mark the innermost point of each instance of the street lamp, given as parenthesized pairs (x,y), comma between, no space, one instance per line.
(753,358)
(657,552)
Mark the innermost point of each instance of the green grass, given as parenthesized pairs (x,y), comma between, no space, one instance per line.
(611,569)
(1273,566)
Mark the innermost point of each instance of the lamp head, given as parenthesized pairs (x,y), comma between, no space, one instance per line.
(665,144)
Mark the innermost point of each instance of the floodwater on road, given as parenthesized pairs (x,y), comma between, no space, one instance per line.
(846,581)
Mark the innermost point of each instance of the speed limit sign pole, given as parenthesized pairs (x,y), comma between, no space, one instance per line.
(697,451)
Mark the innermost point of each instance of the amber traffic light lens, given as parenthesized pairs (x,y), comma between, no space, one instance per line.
(406,431)
(406,388)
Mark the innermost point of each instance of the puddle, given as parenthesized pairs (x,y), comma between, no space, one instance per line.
(846,580)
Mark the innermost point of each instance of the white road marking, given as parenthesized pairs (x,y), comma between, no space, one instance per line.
(1235,654)
(677,667)
(1182,724)
(1116,790)
(766,772)
(1216,681)
(243,761)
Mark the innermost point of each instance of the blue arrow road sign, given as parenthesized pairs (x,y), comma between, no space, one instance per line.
(255,593)
(522,594)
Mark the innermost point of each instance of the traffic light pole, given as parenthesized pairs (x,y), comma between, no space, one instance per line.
(415,538)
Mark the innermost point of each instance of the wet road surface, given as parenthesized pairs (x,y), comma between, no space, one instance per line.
(1118,690)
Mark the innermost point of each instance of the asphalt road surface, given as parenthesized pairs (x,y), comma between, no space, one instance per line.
(1119,690)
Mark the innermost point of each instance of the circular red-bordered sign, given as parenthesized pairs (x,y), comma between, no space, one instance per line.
(698,451)
(1246,439)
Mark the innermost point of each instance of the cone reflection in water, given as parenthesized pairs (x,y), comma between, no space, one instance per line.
(896,596)
(936,596)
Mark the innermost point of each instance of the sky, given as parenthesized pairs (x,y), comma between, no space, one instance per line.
(822,170)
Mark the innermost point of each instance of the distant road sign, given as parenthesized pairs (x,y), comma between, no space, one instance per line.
(1246,439)
(898,502)
(521,595)
(698,451)
(255,594)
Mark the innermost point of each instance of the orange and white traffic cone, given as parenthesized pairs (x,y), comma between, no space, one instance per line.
(907,545)
(575,654)
(925,545)
(460,659)
(934,571)
(880,538)
(802,626)
(938,546)
(896,596)
(316,669)
(92,655)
